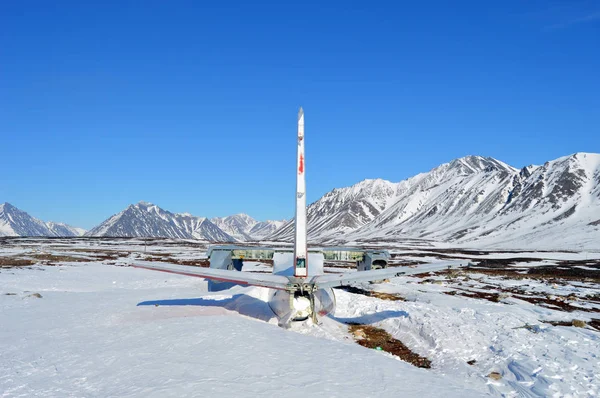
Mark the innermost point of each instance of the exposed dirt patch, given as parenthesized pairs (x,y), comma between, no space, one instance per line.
(397,263)
(39,258)
(494,297)
(98,254)
(559,274)
(53,258)
(564,303)
(594,323)
(8,262)
(568,270)
(370,293)
(204,263)
(397,256)
(373,337)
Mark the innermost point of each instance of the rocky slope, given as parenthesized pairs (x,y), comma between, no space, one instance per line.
(16,222)
(468,201)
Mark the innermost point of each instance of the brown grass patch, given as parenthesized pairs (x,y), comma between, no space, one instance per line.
(370,293)
(204,263)
(493,297)
(550,301)
(8,262)
(373,337)
(594,323)
(53,258)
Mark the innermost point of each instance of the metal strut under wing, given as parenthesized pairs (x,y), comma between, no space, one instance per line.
(329,280)
(243,278)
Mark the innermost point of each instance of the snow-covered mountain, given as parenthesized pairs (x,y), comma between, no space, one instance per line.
(344,210)
(238,225)
(262,229)
(15,222)
(148,220)
(62,229)
(471,200)
(245,228)
(143,220)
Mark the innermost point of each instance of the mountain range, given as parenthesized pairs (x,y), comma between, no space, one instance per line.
(15,222)
(469,201)
(474,200)
(145,219)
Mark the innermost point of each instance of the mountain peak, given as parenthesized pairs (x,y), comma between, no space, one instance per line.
(7,205)
(476,163)
(16,222)
(145,219)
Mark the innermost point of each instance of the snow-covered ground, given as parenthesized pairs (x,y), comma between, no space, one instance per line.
(103,329)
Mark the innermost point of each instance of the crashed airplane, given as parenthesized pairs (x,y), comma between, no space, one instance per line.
(299,287)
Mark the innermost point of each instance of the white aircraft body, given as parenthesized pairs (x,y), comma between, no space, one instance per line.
(299,287)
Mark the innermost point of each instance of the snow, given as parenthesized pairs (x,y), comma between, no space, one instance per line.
(91,335)
(112,330)
(452,330)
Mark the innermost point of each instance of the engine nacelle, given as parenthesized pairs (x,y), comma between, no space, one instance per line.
(373,260)
(295,306)
(223,259)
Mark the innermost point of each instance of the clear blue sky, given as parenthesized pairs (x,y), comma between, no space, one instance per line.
(192,104)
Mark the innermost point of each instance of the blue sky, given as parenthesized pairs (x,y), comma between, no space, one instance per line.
(192,105)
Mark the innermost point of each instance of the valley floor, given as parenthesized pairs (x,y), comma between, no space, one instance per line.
(100,328)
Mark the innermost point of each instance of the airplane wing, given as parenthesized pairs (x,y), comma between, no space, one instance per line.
(243,278)
(332,280)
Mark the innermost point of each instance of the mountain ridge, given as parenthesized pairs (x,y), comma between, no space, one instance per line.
(473,200)
(470,200)
(16,222)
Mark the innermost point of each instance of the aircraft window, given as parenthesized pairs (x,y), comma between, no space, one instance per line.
(300,263)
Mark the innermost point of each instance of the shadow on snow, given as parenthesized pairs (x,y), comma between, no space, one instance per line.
(240,303)
(258,309)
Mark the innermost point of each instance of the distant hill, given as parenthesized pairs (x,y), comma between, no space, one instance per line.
(15,222)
